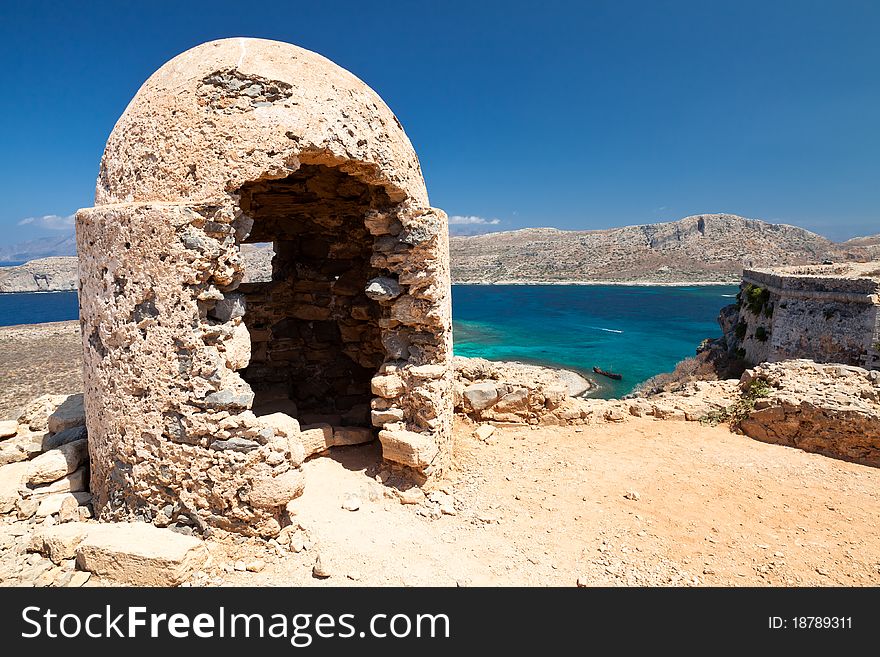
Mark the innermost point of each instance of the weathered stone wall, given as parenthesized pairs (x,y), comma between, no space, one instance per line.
(167,410)
(195,383)
(823,317)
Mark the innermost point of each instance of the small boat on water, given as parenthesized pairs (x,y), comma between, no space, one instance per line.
(610,375)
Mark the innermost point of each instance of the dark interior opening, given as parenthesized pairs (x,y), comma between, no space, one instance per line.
(315,337)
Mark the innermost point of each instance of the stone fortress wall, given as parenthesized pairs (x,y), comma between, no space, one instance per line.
(826,313)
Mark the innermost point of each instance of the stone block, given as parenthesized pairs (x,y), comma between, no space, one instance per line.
(387,385)
(51,504)
(282,423)
(481,395)
(352,436)
(428,371)
(70,413)
(139,554)
(53,440)
(57,463)
(36,414)
(59,542)
(230,307)
(316,438)
(8,428)
(75,482)
(382,288)
(268,492)
(484,431)
(409,448)
(12,477)
(21,447)
(381,417)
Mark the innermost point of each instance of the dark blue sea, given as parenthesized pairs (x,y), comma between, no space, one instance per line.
(37,307)
(637,331)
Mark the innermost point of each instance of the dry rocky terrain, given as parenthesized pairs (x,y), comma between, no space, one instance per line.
(579,491)
(701,248)
(56,274)
(38,359)
(59,274)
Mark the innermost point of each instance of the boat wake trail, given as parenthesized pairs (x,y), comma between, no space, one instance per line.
(599,328)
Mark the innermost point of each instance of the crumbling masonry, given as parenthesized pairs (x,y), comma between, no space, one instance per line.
(205,394)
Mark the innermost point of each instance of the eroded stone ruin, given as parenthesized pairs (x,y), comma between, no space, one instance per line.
(205,394)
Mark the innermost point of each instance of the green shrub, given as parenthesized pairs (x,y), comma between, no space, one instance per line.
(740,409)
(740,330)
(761,334)
(755,298)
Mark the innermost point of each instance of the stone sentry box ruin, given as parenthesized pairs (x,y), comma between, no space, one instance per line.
(204,393)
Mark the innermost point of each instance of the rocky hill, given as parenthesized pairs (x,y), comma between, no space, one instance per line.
(709,247)
(702,248)
(44,275)
(866,246)
(59,274)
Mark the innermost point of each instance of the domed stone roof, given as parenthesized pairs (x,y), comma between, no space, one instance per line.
(237,110)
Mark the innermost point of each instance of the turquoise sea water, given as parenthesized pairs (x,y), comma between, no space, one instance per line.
(637,331)
(37,307)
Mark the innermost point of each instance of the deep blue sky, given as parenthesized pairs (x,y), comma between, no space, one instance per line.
(575,115)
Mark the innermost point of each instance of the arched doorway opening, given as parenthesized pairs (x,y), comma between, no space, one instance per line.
(315,337)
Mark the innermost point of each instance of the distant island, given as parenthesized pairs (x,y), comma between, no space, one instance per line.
(707,248)
(59,274)
(703,248)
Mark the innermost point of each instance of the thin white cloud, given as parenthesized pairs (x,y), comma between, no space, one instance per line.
(459,220)
(50,222)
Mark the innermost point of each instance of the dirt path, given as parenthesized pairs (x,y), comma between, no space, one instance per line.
(548,507)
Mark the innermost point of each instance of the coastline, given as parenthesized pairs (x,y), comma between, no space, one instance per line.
(639,283)
(56,291)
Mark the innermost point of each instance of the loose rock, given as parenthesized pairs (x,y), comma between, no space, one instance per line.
(351,503)
(57,463)
(70,413)
(321,569)
(484,431)
(8,428)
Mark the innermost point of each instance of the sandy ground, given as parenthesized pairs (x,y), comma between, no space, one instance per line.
(38,359)
(549,508)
